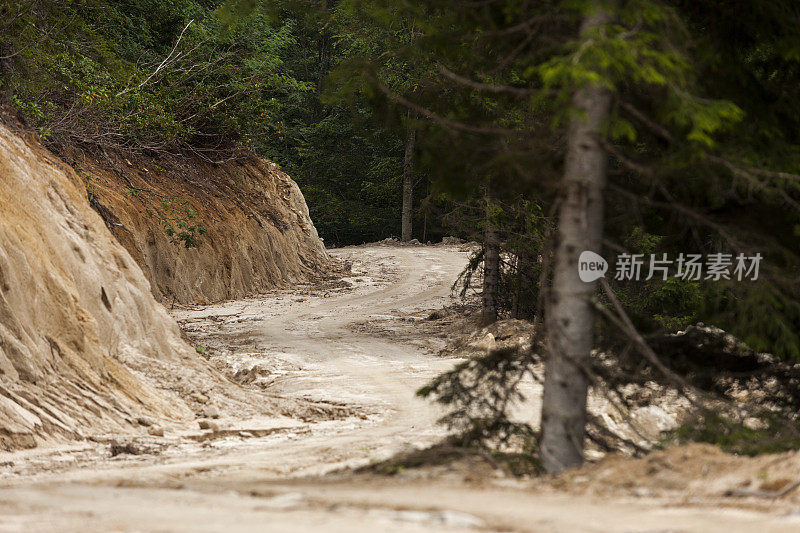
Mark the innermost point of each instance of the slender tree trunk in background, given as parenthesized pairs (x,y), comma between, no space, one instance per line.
(522,266)
(491,265)
(6,68)
(570,316)
(408,181)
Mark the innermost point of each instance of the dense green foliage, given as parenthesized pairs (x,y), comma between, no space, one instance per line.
(145,75)
(699,111)
(209,77)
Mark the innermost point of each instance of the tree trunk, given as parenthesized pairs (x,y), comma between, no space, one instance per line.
(522,266)
(6,68)
(491,265)
(570,317)
(408,182)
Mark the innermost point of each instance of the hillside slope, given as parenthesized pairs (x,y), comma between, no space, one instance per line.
(85,349)
(72,305)
(256,231)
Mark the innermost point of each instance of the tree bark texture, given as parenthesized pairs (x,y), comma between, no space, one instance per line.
(408,183)
(491,265)
(570,317)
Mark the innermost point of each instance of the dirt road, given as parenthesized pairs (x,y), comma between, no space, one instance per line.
(358,347)
(344,346)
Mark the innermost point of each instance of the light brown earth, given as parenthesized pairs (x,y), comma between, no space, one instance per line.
(356,347)
(258,232)
(73,308)
(85,349)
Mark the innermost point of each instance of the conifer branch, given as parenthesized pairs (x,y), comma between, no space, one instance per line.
(488,87)
(442,121)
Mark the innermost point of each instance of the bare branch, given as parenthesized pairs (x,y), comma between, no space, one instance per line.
(525,26)
(665,134)
(488,87)
(680,208)
(655,127)
(752,170)
(623,321)
(163,63)
(626,162)
(514,54)
(442,121)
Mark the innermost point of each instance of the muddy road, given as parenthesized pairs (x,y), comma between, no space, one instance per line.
(353,352)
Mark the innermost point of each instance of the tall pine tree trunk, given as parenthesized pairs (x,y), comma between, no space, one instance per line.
(491,265)
(570,316)
(408,182)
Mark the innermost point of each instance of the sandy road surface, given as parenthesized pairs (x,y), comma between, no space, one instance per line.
(342,347)
(319,347)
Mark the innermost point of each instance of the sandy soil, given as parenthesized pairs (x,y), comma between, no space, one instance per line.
(350,350)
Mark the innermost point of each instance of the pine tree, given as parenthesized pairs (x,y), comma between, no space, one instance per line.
(570,316)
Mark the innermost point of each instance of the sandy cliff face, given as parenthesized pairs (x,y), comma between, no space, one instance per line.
(73,307)
(258,233)
(85,348)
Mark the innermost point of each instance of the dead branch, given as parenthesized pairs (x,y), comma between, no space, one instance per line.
(752,170)
(442,121)
(160,66)
(680,208)
(488,87)
(663,133)
(624,323)
(769,494)
(656,128)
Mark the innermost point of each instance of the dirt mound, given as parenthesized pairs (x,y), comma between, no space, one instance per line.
(204,232)
(502,334)
(640,414)
(693,471)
